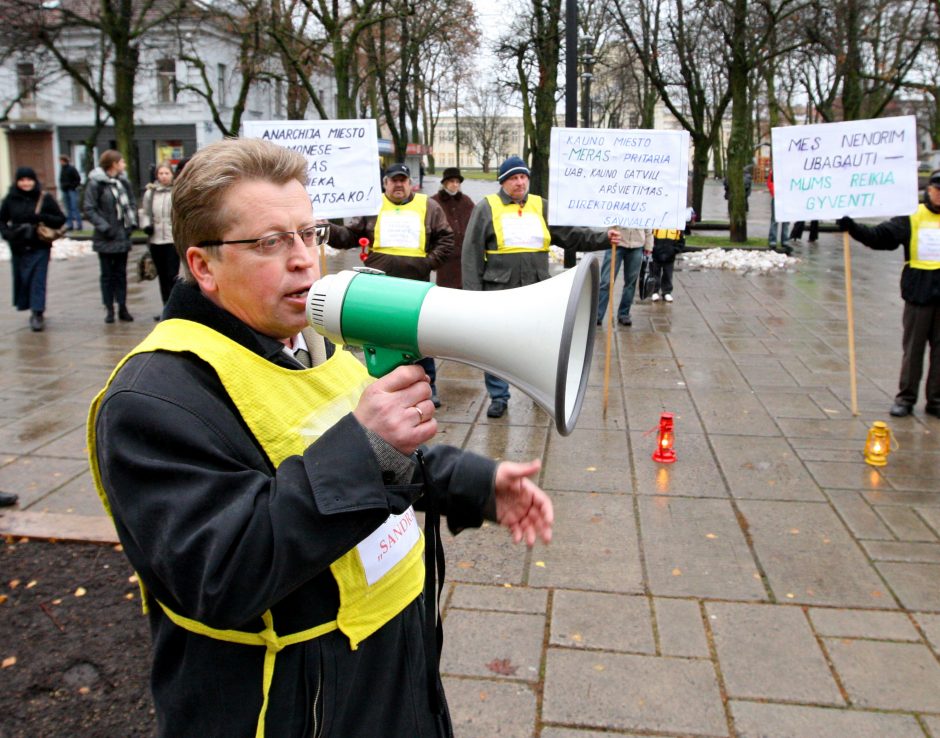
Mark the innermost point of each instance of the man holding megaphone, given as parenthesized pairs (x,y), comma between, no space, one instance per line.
(506,246)
(263,486)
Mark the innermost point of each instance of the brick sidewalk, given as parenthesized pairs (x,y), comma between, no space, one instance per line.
(769,583)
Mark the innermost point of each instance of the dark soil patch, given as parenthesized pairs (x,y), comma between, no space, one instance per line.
(74,645)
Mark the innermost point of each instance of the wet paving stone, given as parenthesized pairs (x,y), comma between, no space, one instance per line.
(810,557)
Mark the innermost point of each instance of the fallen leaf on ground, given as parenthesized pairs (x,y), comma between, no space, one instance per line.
(81,592)
(465,564)
(32,584)
(8,662)
(502,666)
(3,598)
(14,583)
(540,564)
(677,572)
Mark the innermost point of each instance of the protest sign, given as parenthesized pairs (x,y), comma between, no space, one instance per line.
(342,161)
(602,177)
(860,168)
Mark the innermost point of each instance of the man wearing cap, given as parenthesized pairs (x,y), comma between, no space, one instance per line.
(919,234)
(409,238)
(457,207)
(506,246)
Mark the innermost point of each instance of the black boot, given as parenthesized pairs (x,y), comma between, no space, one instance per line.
(109,316)
(124,315)
(36,321)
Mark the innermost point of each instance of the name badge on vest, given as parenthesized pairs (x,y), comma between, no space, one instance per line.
(523,232)
(928,244)
(400,230)
(388,544)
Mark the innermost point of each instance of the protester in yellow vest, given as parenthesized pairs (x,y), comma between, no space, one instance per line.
(409,238)
(264,486)
(506,246)
(919,234)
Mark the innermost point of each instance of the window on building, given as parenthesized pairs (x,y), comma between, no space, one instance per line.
(79,93)
(26,81)
(220,86)
(166,80)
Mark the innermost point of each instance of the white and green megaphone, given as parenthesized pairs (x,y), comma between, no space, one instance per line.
(539,338)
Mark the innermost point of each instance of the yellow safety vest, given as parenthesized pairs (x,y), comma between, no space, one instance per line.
(671,234)
(925,239)
(519,230)
(399,229)
(287,410)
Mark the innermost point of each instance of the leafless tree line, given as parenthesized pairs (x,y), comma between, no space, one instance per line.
(725,69)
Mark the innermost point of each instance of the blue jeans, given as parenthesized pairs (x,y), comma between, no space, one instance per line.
(633,258)
(427,363)
(72,214)
(784,227)
(498,388)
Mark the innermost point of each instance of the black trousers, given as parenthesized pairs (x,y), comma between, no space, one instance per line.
(797,230)
(662,273)
(921,327)
(167,262)
(113,278)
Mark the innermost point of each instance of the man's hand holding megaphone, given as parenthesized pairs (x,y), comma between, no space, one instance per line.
(398,408)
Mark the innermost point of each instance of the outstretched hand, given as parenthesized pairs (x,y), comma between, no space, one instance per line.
(521,505)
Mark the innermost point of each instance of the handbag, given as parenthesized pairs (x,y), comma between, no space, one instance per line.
(146,269)
(44,232)
(646,282)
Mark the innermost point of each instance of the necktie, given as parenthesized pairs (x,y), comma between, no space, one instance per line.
(303,356)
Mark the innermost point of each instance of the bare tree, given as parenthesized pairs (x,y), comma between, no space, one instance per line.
(123,24)
(485,131)
(676,46)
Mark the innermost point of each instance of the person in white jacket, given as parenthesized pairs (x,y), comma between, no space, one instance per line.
(158,225)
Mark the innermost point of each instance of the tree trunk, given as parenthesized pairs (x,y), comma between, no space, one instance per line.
(125,73)
(739,149)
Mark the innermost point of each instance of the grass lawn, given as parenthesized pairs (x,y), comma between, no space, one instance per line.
(722,242)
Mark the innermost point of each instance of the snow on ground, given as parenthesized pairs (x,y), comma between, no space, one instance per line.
(739,260)
(64,248)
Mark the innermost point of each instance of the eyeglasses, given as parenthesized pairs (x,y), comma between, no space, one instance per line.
(275,243)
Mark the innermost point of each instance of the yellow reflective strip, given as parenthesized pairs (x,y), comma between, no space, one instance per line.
(267,638)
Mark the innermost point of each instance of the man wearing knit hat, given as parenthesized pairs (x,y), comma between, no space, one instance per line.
(919,234)
(506,246)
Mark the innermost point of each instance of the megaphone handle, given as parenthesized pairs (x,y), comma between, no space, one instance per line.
(380,360)
(363,254)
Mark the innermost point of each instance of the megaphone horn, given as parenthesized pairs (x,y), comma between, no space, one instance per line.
(539,338)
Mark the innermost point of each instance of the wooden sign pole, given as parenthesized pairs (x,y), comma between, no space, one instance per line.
(847,257)
(610,324)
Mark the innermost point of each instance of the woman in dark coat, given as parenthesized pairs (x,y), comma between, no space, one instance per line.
(109,204)
(458,208)
(29,253)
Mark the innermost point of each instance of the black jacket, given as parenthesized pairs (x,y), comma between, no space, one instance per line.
(219,535)
(918,286)
(69,178)
(18,219)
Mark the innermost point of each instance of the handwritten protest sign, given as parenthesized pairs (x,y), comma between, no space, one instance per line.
(861,168)
(606,177)
(342,161)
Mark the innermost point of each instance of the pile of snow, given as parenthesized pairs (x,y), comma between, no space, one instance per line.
(64,248)
(739,260)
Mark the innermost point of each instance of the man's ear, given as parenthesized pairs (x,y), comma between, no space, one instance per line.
(201,265)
